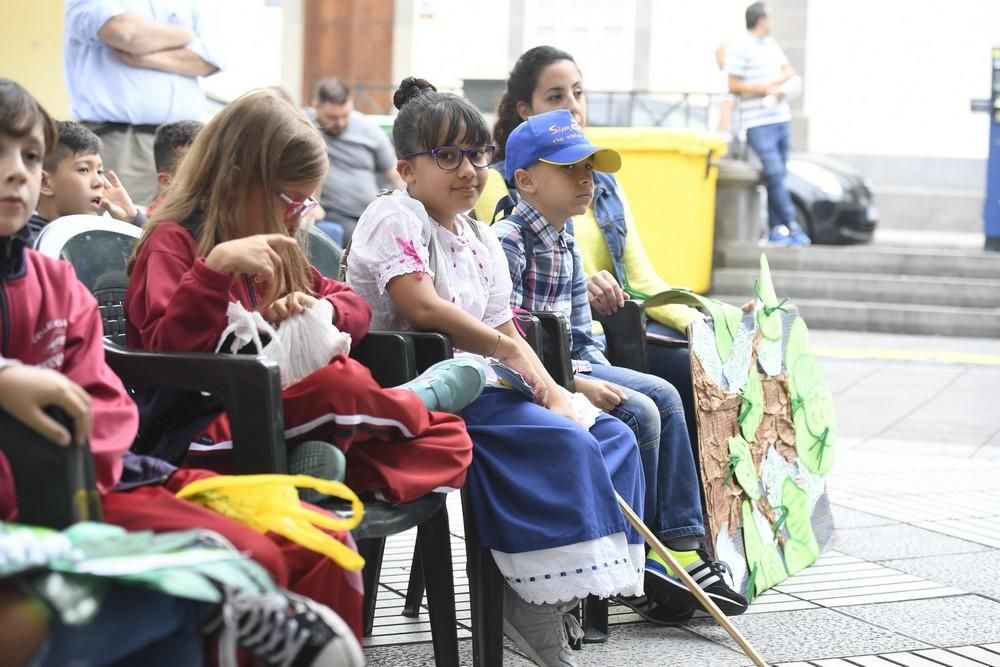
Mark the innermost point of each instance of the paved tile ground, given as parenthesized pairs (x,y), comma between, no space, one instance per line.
(914,578)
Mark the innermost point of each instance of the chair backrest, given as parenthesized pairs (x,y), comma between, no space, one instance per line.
(99,249)
(323,252)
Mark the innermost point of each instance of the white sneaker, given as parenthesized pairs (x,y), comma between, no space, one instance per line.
(540,629)
(285,630)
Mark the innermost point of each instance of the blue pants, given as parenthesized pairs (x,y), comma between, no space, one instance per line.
(134,626)
(771,144)
(654,412)
(539,480)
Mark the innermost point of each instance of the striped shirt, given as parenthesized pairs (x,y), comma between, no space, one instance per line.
(547,275)
(755,60)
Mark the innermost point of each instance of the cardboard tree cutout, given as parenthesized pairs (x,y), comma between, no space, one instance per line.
(766,435)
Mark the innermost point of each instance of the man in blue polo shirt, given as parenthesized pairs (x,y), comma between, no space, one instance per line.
(132,65)
(759,72)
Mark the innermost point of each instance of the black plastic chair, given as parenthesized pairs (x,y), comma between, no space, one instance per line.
(54,486)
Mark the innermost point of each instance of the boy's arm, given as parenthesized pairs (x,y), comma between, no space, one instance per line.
(115,417)
(25,392)
(585,346)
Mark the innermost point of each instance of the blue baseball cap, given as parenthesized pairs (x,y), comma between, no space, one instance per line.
(556,138)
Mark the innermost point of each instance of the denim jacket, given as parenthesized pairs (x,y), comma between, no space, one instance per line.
(609,209)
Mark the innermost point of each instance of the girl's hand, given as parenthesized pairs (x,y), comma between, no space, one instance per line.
(286,306)
(25,392)
(510,353)
(603,395)
(559,404)
(116,199)
(605,295)
(253,254)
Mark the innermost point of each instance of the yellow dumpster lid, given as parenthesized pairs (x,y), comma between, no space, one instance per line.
(696,142)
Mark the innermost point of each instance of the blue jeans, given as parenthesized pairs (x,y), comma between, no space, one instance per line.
(654,412)
(771,143)
(134,626)
(673,364)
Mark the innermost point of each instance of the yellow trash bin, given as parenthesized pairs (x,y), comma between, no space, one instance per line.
(669,178)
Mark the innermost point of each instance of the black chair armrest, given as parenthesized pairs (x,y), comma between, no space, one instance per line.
(625,331)
(389,355)
(430,347)
(249,388)
(555,347)
(55,486)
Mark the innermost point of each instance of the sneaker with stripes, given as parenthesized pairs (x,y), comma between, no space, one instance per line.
(711,575)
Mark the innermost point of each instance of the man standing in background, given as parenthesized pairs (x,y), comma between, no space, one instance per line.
(759,72)
(132,65)
(360,154)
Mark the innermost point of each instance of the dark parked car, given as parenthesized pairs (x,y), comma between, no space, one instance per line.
(833,202)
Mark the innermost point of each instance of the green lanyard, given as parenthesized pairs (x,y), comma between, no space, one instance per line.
(632,292)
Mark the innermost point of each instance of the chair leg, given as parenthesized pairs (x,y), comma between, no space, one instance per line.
(371,550)
(595,620)
(415,588)
(486,591)
(434,543)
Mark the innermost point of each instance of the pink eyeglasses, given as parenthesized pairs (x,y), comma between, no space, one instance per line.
(295,209)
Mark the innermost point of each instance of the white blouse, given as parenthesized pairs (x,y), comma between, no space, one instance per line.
(393,238)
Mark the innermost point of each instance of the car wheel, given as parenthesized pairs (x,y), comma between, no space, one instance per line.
(803,219)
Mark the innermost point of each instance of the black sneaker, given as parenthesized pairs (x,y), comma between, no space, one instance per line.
(711,575)
(285,630)
(670,611)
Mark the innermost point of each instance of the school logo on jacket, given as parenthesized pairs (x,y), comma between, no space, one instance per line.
(52,339)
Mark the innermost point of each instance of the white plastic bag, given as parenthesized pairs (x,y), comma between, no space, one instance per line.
(301,345)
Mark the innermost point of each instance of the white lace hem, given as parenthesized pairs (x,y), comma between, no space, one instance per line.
(603,567)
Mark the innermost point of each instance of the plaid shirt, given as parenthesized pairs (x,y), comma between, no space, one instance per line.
(547,273)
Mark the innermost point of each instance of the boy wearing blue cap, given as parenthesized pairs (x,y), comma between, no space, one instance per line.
(551,163)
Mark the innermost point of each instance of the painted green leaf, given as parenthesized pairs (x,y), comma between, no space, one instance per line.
(820,413)
(744,470)
(726,319)
(762,556)
(815,451)
(752,405)
(765,286)
(801,548)
(805,376)
(798,343)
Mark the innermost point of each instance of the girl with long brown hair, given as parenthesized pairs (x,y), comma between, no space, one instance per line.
(224,234)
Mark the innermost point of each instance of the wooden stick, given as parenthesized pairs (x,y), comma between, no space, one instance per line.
(692,585)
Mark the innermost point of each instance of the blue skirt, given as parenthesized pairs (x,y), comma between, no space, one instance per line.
(539,480)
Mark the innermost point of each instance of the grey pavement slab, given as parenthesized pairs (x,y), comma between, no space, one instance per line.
(979,573)
(878,402)
(810,634)
(963,412)
(902,342)
(422,655)
(879,543)
(954,621)
(843,374)
(648,644)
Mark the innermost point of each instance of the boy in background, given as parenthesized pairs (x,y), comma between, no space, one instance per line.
(170,143)
(73,182)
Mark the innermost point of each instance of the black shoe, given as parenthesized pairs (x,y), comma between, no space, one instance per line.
(285,630)
(710,575)
(665,612)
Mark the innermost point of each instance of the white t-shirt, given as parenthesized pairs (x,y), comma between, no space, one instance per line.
(755,60)
(392,239)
